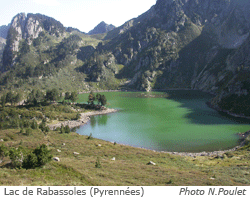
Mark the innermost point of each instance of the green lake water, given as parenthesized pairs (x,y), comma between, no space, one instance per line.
(180,122)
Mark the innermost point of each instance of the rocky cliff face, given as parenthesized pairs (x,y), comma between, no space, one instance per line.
(101,28)
(2,45)
(27,28)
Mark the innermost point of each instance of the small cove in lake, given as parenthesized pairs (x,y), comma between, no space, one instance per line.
(175,120)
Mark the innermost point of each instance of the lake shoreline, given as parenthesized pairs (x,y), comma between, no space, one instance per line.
(209,154)
(219,153)
(210,105)
(84,119)
(171,89)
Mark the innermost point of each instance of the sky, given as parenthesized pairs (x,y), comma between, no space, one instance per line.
(81,14)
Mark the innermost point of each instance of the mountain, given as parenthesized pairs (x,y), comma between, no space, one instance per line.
(27,28)
(3,35)
(71,29)
(4,31)
(2,45)
(194,44)
(41,53)
(101,28)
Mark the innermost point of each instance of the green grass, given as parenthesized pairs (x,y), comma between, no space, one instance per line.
(129,168)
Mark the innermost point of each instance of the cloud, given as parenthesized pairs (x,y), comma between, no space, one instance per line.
(47,2)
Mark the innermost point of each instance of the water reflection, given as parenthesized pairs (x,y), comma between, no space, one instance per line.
(100,120)
(92,122)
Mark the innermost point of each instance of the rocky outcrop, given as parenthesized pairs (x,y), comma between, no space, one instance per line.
(2,45)
(32,29)
(25,29)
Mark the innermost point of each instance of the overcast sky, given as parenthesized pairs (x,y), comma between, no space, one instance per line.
(81,14)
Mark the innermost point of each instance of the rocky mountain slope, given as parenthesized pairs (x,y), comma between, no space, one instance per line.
(28,28)
(101,28)
(4,31)
(3,35)
(186,44)
(40,52)
(195,44)
(2,45)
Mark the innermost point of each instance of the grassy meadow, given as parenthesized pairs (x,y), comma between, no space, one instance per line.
(129,167)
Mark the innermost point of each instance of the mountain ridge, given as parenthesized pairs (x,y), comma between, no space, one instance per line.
(175,44)
(102,27)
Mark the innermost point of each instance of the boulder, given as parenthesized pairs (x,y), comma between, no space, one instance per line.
(151,163)
(56,159)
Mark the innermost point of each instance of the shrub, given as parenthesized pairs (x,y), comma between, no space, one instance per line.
(24,123)
(43,127)
(28,131)
(34,124)
(30,161)
(14,123)
(3,152)
(40,156)
(16,157)
(57,129)
(98,163)
(62,129)
(43,155)
(90,137)
(78,116)
(47,129)
(67,129)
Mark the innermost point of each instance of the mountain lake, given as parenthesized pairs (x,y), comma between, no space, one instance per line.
(173,120)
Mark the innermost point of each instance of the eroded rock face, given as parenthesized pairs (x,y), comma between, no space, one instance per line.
(17,31)
(15,35)
(25,29)
(32,29)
